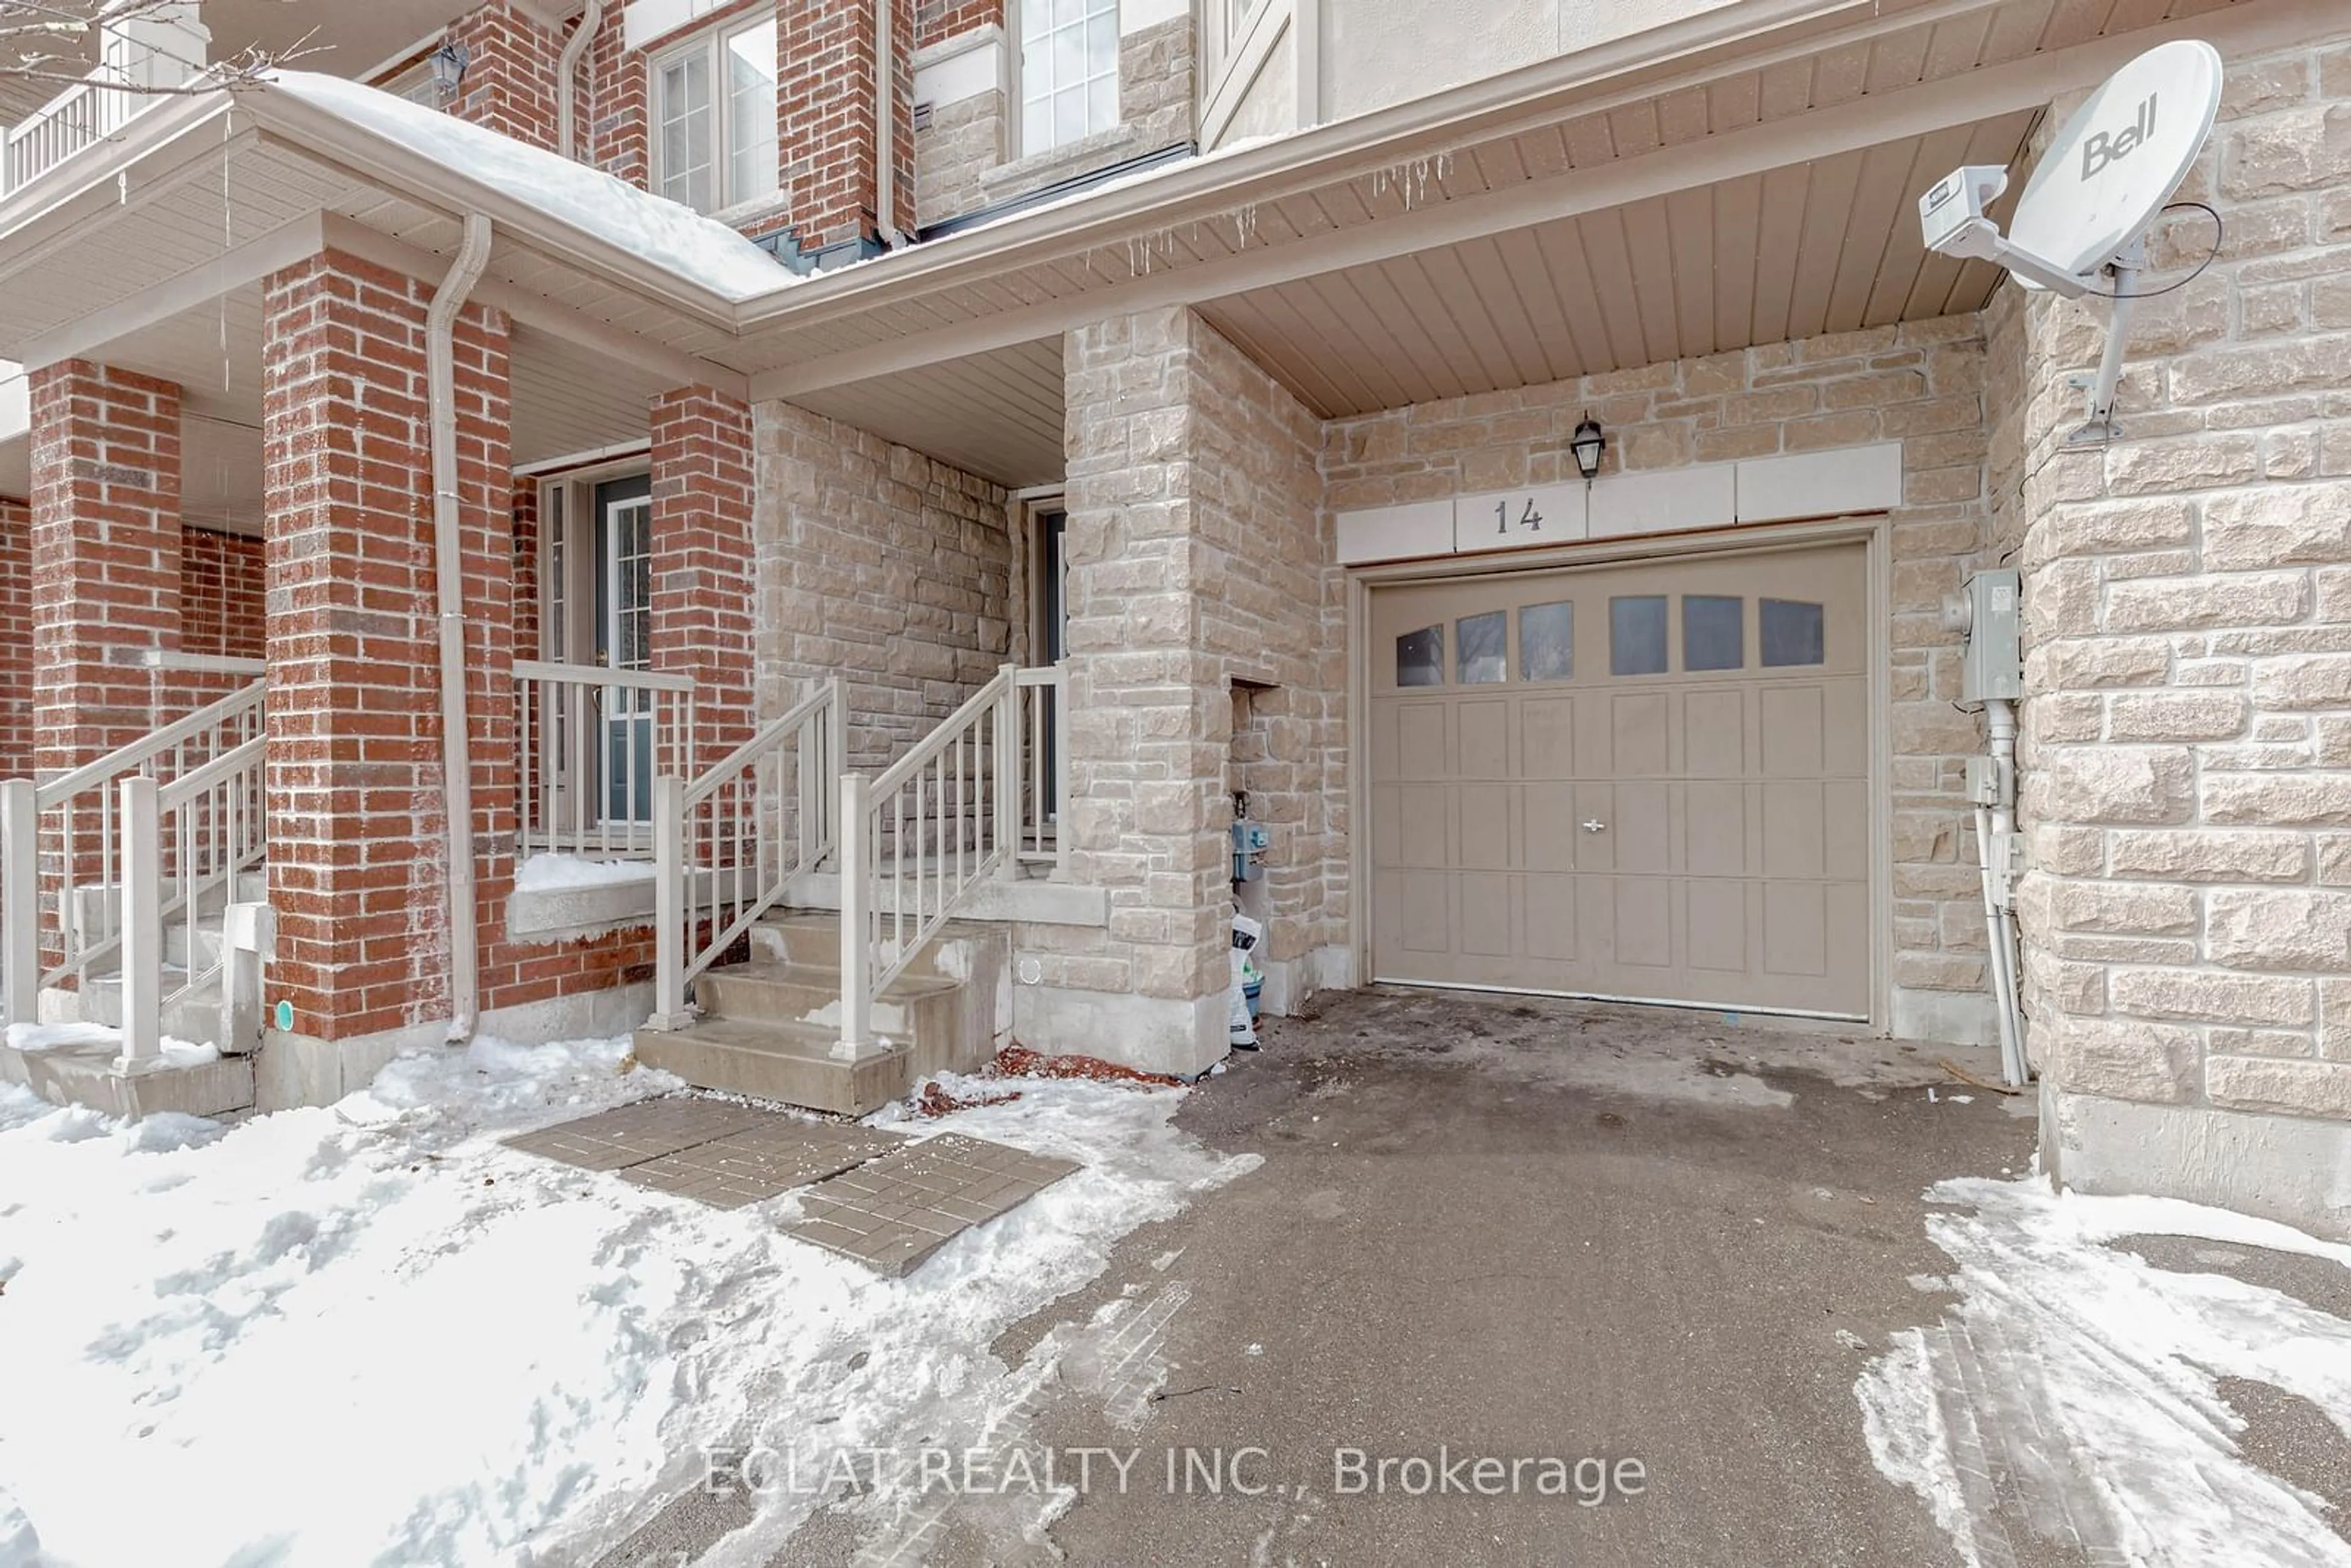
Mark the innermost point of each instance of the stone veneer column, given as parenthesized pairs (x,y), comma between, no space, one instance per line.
(2187,915)
(357,862)
(1150,714)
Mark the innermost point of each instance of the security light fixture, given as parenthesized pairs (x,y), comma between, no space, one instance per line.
(449,63)
(1587,444)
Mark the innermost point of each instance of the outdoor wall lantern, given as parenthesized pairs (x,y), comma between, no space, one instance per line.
(1587,444)
(449,63)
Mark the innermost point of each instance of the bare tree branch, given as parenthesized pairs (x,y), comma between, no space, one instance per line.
(59,41)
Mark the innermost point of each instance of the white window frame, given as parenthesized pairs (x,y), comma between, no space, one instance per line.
(713,45)
(1029,78)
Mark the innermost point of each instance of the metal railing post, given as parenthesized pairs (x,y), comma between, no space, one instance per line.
(1008,773)
(1061,771)
(856,895)
(142,925)
(670,872)
(20,899)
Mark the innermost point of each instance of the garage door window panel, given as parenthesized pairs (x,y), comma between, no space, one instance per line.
(1420,657)
(1637,635)
(1478,641)
(1714,633)
(1547,641)
(1791,632)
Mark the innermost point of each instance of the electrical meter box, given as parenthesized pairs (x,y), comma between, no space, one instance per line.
(1250,841)
(1993,666)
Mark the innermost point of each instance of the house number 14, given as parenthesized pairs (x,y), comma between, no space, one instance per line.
(1530,520)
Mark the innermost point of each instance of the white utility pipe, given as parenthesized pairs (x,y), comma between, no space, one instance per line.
(449,575)
(1994,826)
(885,128)
(566,77)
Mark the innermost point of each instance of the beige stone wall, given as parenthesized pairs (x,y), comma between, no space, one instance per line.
(1196,553)
(1922,384)
(879,563)
(964,141)
(2188,742)
(1158,86)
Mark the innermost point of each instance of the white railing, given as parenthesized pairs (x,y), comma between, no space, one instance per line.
(64,835)
(210,826)
(590,743)
(1044,768)
(917,839)
(728,842)
(136,71)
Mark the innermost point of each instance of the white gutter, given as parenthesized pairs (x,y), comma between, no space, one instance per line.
(449,576)
(566,79)
(885,129)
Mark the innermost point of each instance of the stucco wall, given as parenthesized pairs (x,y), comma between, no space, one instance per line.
(1921,384)
(2187,912)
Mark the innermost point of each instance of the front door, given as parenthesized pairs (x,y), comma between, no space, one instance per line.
(624,553)
(1645,781)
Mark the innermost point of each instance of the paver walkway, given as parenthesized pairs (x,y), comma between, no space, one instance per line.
(886,1199)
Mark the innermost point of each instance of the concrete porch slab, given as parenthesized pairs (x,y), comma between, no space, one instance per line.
(85,1074)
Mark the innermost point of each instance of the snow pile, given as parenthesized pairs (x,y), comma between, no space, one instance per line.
(367,1333)
(652,228)
(2090,1378)
(567,873)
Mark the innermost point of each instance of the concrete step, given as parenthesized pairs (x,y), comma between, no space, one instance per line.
(195,1018)
(767,991)
(790,1063)
(85,1075)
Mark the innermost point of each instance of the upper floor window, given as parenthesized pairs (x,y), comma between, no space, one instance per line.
(713,114)
(1069,70)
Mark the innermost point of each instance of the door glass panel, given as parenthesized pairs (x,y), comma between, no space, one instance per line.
(1547,641)
(1714,632)
(625,602)
(1420,657)
(1789,631)
(1637,635)
(1479,641)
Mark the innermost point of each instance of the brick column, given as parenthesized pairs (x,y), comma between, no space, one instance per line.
(16,639)
(825,106)
(2187,912)
(703,564)
(510,73)
(105,554)
(357,810)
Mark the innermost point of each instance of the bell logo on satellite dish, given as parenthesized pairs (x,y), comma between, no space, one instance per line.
(2080,227)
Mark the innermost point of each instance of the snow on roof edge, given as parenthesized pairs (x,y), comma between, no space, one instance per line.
(653,229)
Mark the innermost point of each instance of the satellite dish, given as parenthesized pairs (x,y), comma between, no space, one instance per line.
(2118,160)
(2086,210)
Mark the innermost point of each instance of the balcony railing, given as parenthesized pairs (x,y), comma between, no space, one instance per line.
(142,60)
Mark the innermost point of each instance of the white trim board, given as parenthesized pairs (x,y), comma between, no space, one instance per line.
(1846,480)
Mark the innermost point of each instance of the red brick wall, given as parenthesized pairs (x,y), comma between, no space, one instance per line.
(221,593)
(16,639)
(105,553)
(702,560)
(938,20)
(825,96)
(614,134)
(357,811)
(510,73)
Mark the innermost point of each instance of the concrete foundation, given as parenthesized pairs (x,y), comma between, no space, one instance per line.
(2286,1168)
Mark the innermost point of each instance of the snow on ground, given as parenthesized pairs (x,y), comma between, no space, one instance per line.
(2090,1378)
(367,1334)
(554,872)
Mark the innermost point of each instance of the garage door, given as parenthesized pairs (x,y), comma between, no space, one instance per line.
(1645,781)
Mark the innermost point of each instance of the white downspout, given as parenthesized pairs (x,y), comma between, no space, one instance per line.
(1994,827)
(566,77)
(885,128)
(449,575)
